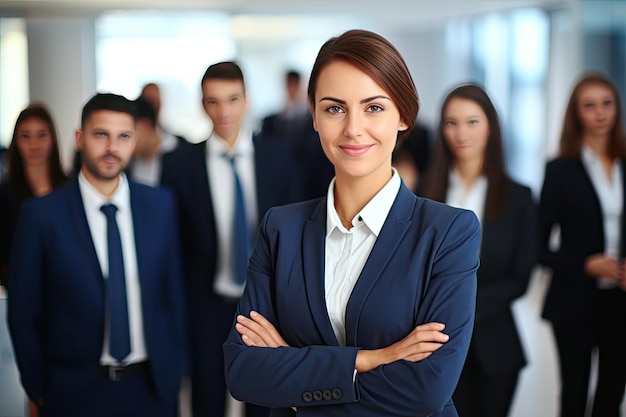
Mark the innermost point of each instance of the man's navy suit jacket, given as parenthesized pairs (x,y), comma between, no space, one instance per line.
(185,172)
(422,268)
(56,307)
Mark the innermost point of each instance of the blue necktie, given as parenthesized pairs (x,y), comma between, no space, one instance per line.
(119,332)
(241,237)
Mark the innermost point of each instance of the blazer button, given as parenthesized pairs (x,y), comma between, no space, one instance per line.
(307,397)
(327,395)
(337,394)
(317,395)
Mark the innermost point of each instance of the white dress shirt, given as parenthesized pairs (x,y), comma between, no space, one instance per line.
(92,201)
(472,198)
(348,250)
(221,181)
(610,192)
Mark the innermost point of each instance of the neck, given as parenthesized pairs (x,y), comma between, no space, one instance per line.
(106,187)
(38,178)
(230,139)
(353,193)
(469,171)
(598,144)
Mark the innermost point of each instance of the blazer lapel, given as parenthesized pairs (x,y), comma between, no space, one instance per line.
(83,232)
(623,234)
(314,241)
(140,229)
(394,229)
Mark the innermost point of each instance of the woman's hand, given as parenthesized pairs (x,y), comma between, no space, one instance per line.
(416,346)
(603,266)
(258,331)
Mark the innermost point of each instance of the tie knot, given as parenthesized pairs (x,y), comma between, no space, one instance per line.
(230,158)
(109,210)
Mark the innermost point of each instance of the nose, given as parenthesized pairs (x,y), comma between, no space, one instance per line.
(354,125)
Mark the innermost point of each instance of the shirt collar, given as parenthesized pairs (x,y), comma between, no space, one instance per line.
(456,183)
(244,146)
(93,200)
(375,212)
(588,156)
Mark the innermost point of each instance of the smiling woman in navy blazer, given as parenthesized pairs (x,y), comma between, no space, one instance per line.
(468,171)
(348,296)
(583,194)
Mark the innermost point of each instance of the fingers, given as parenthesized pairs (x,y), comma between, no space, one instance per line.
(258,331)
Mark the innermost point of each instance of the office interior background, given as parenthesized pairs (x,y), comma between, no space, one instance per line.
(525,53)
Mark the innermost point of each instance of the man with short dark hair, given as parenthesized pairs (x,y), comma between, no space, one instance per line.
(97,310)
(223,185)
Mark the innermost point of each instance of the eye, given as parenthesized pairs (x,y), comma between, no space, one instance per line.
(374,108)
(608,103)
(43,135)
(588,105)
(449,123)
(473,122)
(210,102)
(334,109)
(125,136)
(234,99)
(99,133)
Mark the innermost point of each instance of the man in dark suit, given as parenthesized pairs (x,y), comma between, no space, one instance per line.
(206,179)
(96,313)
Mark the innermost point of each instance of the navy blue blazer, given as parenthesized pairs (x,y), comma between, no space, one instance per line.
(56,308)
(507,255)
(569,200)
(185,172)
(422,268)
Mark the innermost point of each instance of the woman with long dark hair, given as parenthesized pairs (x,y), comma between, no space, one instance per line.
(468,171)
(34,170)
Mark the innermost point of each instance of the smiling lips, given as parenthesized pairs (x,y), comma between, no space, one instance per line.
(355,150)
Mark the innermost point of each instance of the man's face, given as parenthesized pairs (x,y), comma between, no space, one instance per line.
(106,143)
(225,102)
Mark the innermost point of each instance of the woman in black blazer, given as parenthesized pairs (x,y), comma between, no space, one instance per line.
(467,170)
(583,194)
(34,170)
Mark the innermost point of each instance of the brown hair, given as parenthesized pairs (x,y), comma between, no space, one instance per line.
(376,57)
(436,180)
(572,133)
(16,173)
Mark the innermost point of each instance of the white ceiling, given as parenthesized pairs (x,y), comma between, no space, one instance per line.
(402,13)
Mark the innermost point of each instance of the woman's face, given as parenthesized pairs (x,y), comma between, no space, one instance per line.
(357,122)
(34,141)
(596,109)
(465,130)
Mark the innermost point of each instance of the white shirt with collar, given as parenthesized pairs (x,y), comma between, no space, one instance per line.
(348,250)
(92,201)
(222,185)
(472,198)
(611,195)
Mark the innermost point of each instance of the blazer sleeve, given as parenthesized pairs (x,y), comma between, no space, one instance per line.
(497,295)
(551,208)
(278,377)
(25,303)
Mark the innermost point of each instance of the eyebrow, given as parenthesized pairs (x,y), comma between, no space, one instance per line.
(365,100)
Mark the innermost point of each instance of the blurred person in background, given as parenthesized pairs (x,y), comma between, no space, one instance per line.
(468,171)
(34,169)
(583,195)
(293,128)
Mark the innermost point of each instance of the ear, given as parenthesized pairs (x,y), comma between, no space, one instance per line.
(78,135)
(402,126)
(247,101)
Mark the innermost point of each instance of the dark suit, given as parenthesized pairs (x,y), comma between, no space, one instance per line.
(56,308)
(579,322)
(422,268)
(297,134)
(507,256)
(8,217)
(210,315)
